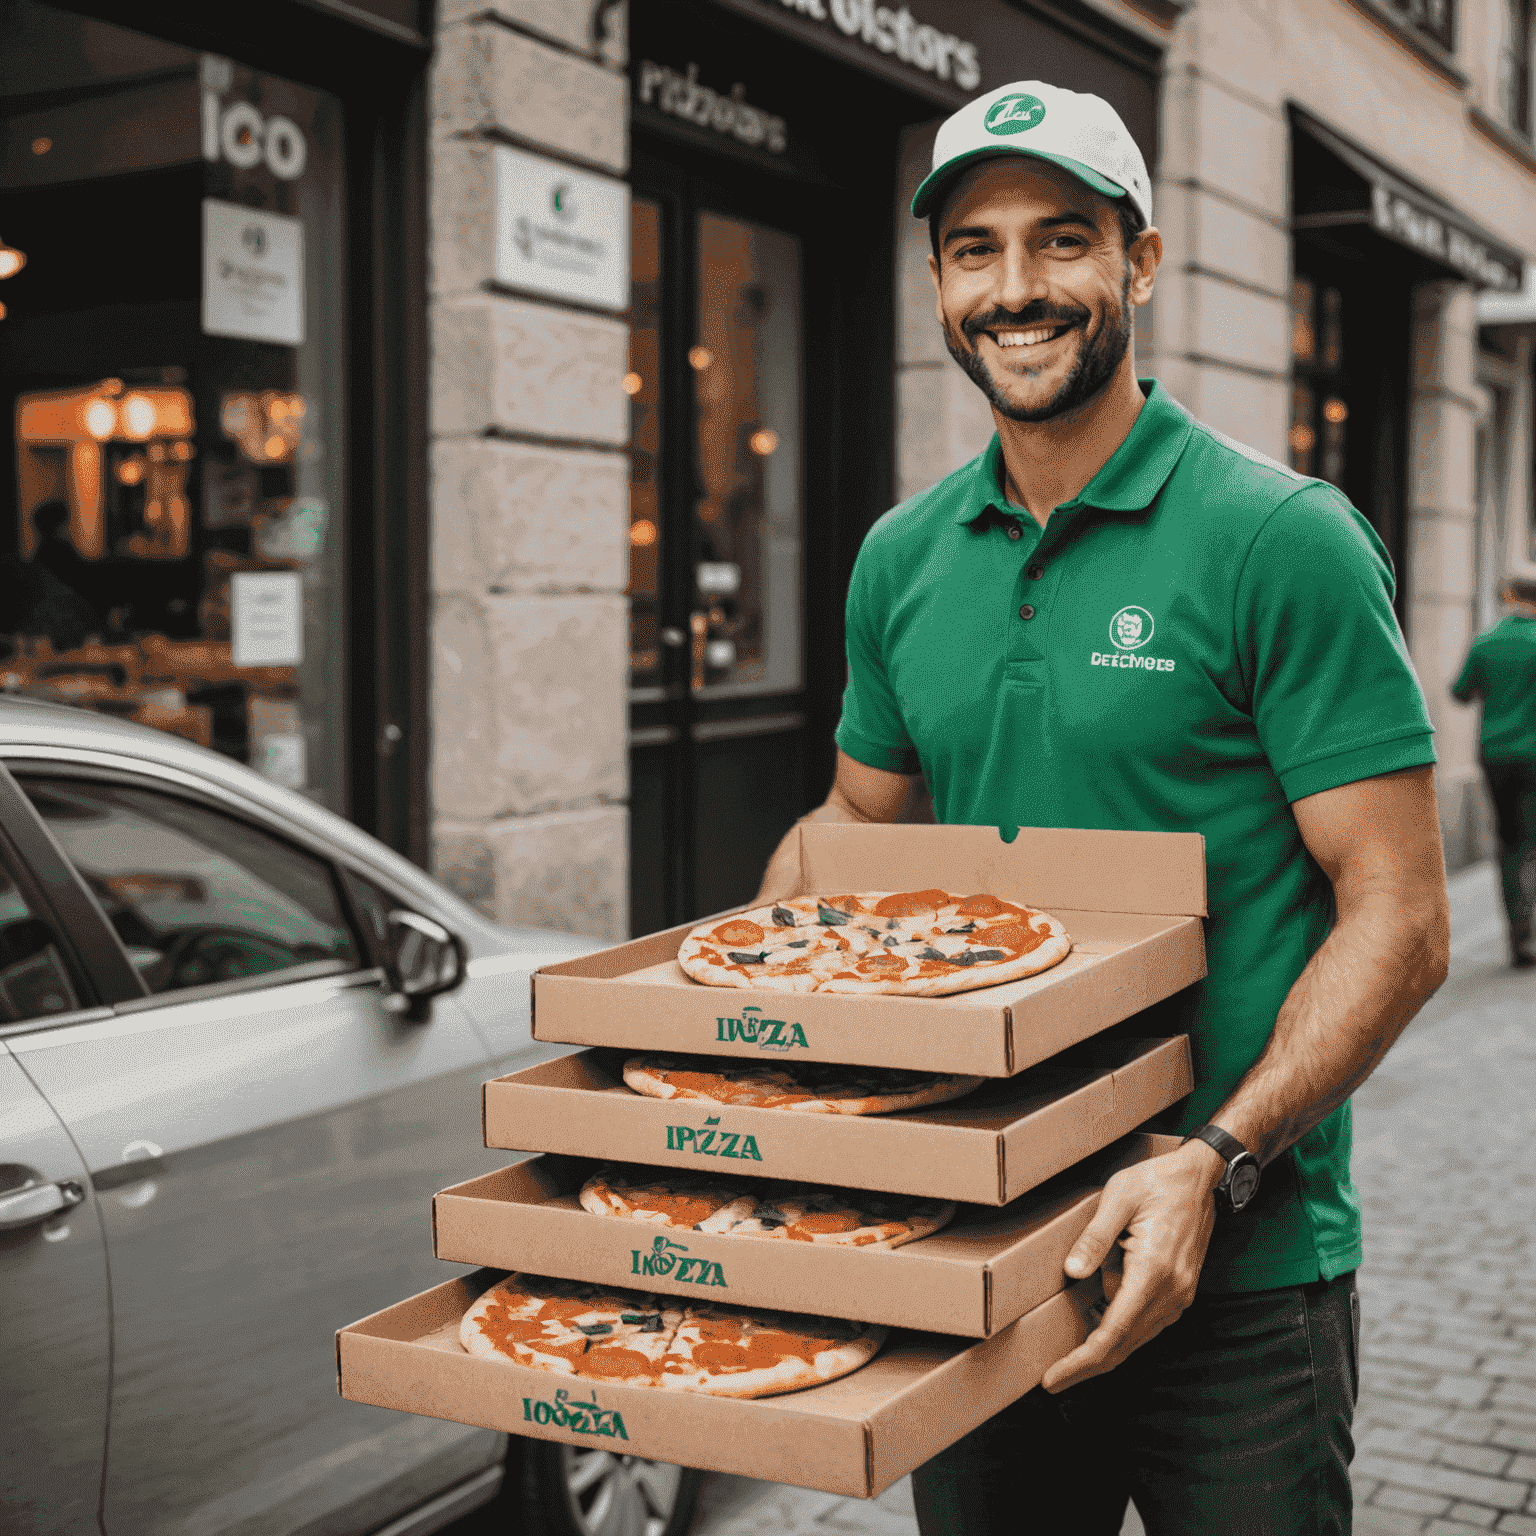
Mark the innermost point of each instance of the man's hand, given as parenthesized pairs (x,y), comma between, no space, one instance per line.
(1165,1209)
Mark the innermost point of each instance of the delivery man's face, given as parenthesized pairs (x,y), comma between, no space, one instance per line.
(1036,293)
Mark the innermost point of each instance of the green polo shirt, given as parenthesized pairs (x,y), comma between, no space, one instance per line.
(1502,667)
(1199,638)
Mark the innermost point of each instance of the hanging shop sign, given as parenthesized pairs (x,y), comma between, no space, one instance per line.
(253,274)
(561,232)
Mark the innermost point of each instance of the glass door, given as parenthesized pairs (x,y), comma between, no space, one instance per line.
(717,546)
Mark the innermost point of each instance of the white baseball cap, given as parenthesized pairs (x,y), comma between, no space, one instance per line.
(1081,133)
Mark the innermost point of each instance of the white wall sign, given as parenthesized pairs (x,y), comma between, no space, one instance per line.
(266,615)
(561,232)
(253,274)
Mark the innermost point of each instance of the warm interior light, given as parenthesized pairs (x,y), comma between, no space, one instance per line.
(41,145)
(101,419)
(763,441)
(11,260)
(633,383)
(181,452)
(700,358)
(138,415)
(276,446)
(2,311)
(130,471)
(642,532)
(1302,438)
(1336,411)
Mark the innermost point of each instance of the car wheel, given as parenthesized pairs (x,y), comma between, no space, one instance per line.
(572,1490)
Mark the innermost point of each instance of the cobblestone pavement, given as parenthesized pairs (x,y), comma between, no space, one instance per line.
(1446,1427)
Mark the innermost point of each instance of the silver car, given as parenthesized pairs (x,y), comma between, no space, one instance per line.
(240,1047)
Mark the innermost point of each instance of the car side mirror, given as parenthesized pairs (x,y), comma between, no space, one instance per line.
(423,959)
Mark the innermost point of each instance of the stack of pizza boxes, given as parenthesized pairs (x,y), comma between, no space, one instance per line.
(972,1314)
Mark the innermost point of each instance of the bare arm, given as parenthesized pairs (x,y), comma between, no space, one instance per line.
(859,793)
(1378,841)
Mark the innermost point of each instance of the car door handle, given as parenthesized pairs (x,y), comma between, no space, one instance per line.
(37,1202)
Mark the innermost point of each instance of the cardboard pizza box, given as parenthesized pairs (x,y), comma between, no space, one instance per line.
(989,1147)
(975,1276)
(854,1436)
(1132,902)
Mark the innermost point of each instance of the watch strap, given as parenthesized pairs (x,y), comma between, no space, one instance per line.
(1225,1145)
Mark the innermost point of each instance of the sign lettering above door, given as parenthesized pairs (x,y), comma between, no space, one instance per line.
(682,96)
(1424,231)
(239,133)
(898,32)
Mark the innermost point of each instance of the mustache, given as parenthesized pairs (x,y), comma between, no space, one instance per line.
(1023,319)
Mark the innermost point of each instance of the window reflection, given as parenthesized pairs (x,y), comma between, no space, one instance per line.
(746,626)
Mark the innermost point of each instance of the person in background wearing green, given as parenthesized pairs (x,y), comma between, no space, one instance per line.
(1501,670)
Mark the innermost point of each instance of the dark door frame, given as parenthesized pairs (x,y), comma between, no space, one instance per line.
(377,69)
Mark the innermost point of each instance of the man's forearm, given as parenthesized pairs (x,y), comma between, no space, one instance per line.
(1375,971)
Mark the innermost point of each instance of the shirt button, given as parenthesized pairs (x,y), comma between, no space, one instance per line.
(1036,572)
(1014,531)
(1027,611)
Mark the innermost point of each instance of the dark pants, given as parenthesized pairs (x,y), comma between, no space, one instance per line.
(1234,1421)
(1512,785)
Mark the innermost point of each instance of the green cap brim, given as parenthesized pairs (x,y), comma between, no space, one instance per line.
(934,183)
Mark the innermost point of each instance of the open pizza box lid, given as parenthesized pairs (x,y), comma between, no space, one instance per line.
(989,1147)
(854,1436)
(977,1275)
(1132,902)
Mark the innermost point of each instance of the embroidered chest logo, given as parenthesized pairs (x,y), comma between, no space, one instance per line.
(1129,630)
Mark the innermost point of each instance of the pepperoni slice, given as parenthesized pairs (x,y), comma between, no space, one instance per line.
(910,903)
(737,933)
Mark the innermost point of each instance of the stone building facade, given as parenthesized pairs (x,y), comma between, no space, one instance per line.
(529,550)
(529,415)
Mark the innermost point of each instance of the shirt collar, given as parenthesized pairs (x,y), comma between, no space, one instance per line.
(1128,481)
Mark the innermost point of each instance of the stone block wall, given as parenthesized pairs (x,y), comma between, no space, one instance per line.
(529,488)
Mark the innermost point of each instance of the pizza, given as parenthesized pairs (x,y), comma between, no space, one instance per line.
(598,1333)
(809,1087)
(802,1213)
(919,943)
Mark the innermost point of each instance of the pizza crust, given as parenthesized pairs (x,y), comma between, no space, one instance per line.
(810,1088)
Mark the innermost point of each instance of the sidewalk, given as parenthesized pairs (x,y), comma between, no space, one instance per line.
(1446,1427)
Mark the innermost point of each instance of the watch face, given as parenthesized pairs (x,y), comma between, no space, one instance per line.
(1244,1185)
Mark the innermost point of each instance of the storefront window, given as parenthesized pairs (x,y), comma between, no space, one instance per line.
(1319,413)
(172,357)
(746,626)
(643,386)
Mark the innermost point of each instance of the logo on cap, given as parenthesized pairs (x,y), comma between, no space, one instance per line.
(1014,114)
(1131,628)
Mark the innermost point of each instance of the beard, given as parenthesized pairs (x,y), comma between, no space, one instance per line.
(1098,356)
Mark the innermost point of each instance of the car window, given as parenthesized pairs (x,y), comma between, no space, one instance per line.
(195,896)
(34,981)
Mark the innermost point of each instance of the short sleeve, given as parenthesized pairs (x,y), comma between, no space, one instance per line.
(871,730)
(1333,694)
(1471,679)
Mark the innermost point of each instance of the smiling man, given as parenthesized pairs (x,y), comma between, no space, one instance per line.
(1116,617)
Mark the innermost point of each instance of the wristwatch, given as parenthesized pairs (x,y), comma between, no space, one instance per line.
(1240,1183)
